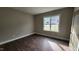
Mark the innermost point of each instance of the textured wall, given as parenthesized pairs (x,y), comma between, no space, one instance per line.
(14,24)
(64,27)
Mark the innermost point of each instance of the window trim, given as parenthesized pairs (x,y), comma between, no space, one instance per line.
(50,22)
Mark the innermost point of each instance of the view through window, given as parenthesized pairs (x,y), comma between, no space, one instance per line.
(51,23)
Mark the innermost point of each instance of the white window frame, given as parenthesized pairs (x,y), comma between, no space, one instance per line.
(50,23)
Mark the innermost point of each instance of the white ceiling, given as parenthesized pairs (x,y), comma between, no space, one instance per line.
(36,10)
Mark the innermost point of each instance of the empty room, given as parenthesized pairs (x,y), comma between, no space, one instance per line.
(39,29)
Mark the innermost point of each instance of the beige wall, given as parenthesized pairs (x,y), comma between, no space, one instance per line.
(64,27)
(14,24)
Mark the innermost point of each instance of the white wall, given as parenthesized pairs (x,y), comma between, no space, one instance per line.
(76,9)
(14,24)
(64,26)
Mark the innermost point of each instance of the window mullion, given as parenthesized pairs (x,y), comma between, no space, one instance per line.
(50,23)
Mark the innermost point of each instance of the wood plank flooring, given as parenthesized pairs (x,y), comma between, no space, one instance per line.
(36,43)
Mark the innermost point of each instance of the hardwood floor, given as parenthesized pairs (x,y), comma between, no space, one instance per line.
(36,43)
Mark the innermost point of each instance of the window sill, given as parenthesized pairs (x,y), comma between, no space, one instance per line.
(51,31)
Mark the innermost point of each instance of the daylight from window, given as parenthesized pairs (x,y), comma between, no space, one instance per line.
(51,23)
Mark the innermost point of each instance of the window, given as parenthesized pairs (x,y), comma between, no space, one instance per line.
(51,23)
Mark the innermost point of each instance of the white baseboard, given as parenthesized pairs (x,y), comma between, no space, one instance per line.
(7,41)
(53,37)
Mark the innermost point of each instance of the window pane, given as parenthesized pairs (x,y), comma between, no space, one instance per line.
(47,23)
(55,20)
(55,23)
(47,27)
(55,28)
